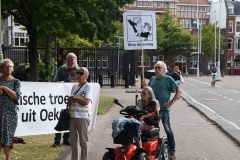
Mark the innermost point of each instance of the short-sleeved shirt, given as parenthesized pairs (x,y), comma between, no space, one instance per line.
(162,88)
(77,110)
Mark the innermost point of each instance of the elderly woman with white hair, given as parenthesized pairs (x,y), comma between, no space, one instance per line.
(80,110)
(9,95)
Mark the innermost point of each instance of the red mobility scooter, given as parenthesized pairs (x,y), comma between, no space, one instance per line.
(153,147)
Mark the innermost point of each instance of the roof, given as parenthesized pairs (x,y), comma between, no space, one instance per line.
(200,2)
(236,5)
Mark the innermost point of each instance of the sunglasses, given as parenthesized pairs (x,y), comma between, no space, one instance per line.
(80,73)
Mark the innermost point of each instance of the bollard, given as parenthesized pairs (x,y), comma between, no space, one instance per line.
(112,81)
(187,74)
(126,81)
(136,74)
(141,81)
(223,74)
(200,74)
(89,78)
(100,80)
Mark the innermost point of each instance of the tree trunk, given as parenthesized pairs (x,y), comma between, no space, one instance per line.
(33,55)
(48,54)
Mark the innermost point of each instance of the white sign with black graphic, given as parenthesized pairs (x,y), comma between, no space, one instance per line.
(139,30)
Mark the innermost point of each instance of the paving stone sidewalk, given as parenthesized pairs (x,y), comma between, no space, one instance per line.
(196,137)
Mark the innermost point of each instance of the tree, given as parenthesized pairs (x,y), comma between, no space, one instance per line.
(208,40)
(172,38)
(89,19)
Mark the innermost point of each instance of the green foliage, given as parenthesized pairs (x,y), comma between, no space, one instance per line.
(46,74)
(104,103)
(208,40)
(91,20)
(172,38)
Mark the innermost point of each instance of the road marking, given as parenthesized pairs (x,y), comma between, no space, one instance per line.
(211,99)
(233,124)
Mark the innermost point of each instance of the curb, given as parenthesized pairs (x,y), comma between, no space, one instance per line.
(221,123)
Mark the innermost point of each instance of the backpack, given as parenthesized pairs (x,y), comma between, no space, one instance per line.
(214,70)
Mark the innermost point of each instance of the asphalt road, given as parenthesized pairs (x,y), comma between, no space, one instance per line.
(202,120)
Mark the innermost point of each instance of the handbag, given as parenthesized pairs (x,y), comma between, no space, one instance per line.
(181,79)
(64,119)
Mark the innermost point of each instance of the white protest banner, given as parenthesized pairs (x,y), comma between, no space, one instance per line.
(40,105)
(139,30)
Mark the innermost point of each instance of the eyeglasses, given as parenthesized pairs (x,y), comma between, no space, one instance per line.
(80,73)
(158,67)
(72,57)
(7,66)
(143,93)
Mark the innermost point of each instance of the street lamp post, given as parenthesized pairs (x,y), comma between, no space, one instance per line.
(199,47)
(215,38)
(118,55)
(218,64)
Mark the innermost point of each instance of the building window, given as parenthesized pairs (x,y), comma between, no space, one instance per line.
(146,61)
(180,59)
(144,4)
(186,23)
(201,9)
(150,4)
(237,65)
(188,8)
(171,5)
(160,58)
(182,8)
(159,4)
(193,8)
(193,62)
(20,39)
(139,4)
(229,44)
(229,59)
(237,26)
(230,10)
(103,61)
(230,26)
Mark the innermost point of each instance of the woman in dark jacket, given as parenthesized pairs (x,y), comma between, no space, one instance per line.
(176,75)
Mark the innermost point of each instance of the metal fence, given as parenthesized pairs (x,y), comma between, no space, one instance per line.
(105,63)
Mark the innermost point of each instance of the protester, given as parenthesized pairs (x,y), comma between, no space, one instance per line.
(149,119)
(163,86)
(176,75)
(80,110)
(66,73)
(9,95)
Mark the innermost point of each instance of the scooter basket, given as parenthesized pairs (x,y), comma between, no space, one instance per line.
(126,135)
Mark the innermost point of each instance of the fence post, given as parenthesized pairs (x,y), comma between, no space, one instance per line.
(126,81)
(100,80)
(112,81)
(89,78)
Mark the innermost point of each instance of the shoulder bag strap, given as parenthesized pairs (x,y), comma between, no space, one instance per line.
(79,89)
(76,93)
